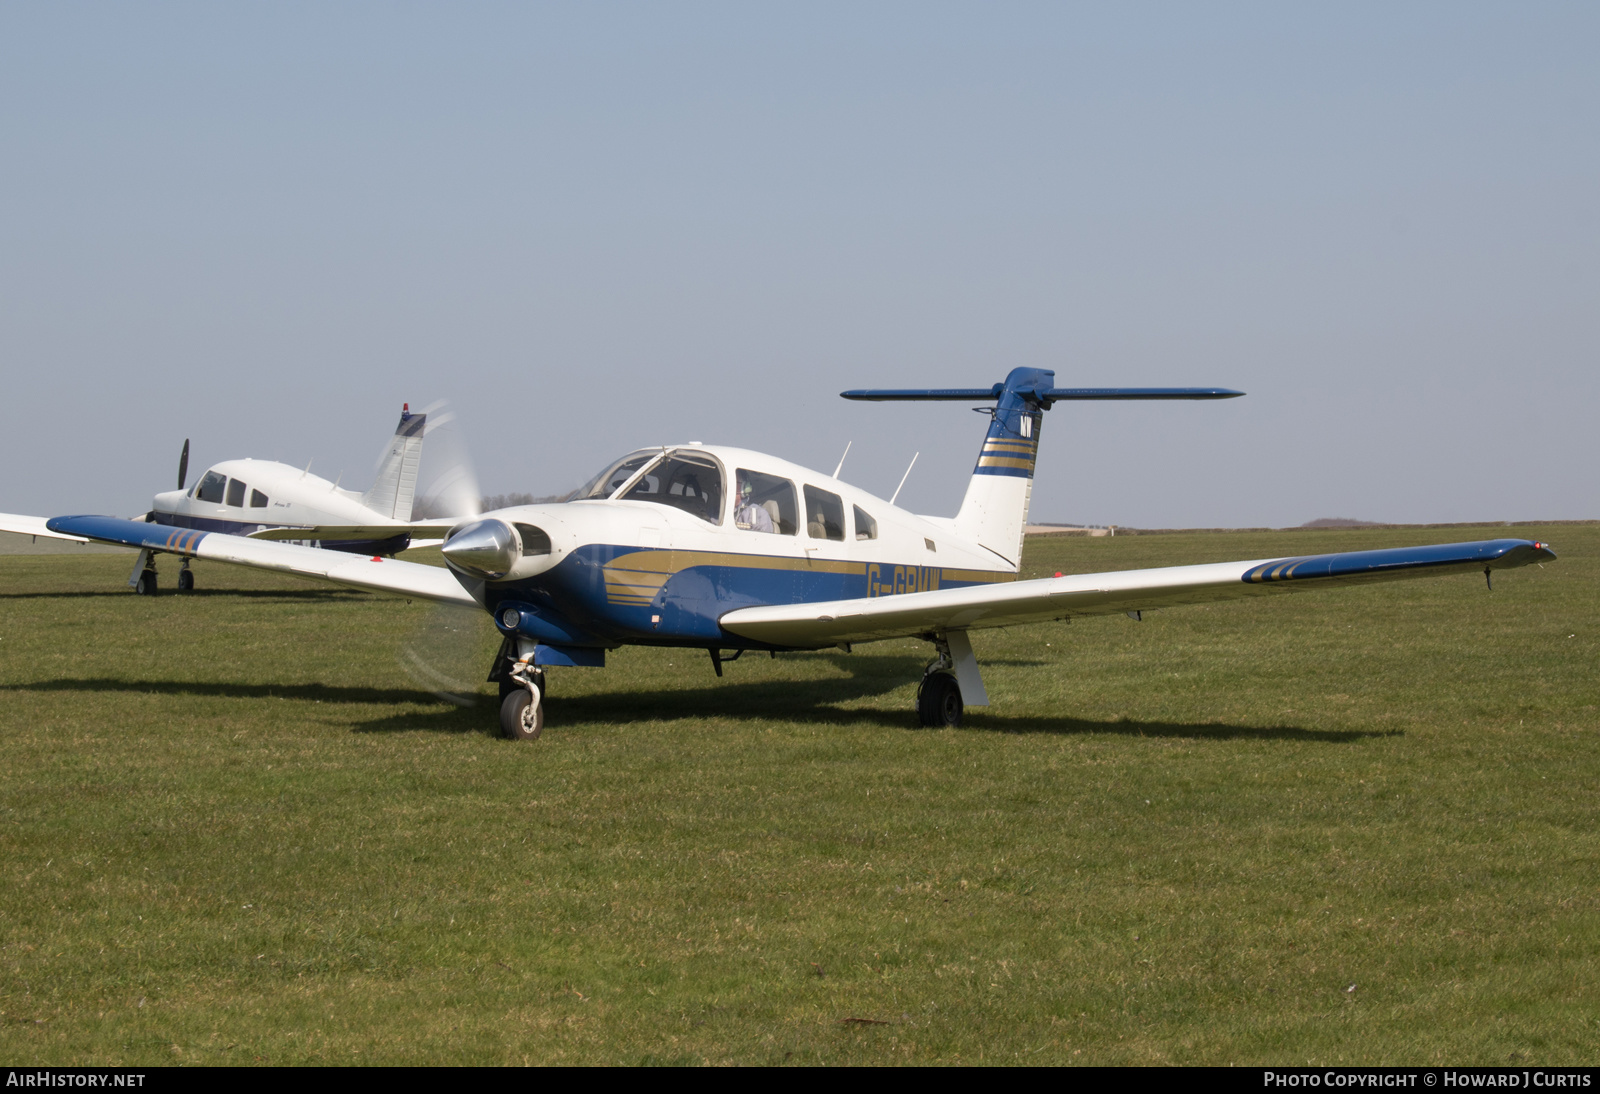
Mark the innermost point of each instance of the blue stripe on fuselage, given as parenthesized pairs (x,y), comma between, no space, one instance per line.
(389,546)
(661,596)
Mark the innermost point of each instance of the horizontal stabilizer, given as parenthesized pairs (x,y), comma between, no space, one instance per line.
(375,575)
(1045,396)
(831,623)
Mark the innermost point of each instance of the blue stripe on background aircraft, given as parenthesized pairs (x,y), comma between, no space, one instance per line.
(722,549)
(264,499)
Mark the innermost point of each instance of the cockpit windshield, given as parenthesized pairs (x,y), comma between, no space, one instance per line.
(682,478)
(605,484)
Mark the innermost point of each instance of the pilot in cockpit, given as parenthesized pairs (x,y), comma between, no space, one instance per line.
(748,514)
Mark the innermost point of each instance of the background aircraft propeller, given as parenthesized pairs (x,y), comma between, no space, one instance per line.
(183,464)
(449,651)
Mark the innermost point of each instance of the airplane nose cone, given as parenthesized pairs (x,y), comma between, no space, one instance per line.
(485,548)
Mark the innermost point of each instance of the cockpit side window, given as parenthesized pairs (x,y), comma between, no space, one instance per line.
(824,515)
(236,490)
(258,500)
(765,503)
(606,483)
(211,487)
(690,481)
(866,527)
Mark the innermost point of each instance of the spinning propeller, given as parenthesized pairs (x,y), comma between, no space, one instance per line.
(449,651)
(183,464)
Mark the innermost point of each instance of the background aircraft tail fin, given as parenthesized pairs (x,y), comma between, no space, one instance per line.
(396,485)
(995,508)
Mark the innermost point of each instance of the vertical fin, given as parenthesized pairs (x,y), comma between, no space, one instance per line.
(995,509)
(396,485)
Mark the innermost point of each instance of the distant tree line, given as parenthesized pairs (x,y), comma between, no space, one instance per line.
(505,501)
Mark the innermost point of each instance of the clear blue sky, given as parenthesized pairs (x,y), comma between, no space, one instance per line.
(595,227)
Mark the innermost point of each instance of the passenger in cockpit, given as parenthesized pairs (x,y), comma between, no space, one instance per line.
(748,514)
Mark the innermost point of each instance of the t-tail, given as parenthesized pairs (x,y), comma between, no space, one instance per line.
(396,485)
(995,510)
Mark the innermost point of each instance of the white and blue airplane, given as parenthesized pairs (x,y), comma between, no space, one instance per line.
(725,549)
(264,499)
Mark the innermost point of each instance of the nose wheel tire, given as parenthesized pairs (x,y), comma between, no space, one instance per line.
(939,700)
(522,715)
(147,584)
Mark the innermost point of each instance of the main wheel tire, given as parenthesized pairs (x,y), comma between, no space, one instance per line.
(521,716)
(186,581)
(939,700)
(147,583)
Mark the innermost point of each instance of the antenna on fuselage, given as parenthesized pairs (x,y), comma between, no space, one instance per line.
(904,477)
(836,470)
(307,471)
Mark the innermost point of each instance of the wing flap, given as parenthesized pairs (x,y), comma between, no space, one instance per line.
(374,575)
(866,619)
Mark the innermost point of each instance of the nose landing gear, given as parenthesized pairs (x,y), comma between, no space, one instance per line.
(522,690)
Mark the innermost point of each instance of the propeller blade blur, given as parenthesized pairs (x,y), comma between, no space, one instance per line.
(183,464)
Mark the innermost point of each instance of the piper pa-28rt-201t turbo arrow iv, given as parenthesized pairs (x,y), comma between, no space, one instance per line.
(264,499)
(725,549)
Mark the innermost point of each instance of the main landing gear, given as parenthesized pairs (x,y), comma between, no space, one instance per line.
(940,702)
(144,580)
(522,692)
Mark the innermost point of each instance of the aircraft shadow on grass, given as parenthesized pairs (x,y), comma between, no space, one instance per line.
(810,701)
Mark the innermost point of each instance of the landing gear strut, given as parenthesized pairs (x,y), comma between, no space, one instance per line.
(940,701)
(522,691)
(143,578)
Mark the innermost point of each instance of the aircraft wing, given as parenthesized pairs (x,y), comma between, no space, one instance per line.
(340,567)
(422,529)
(839,621)
(32,526)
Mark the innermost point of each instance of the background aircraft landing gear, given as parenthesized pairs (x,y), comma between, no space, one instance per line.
(186,578)
(939,700)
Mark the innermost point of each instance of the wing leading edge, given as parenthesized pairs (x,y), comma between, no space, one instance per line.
(382,576)
(839,621)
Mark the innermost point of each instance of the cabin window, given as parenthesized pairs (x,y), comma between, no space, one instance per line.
(608,481)
(929,544)
(765,503)
(866,527)
(689,481)
(824,515)
(236,491)
(211,487)
(258,500)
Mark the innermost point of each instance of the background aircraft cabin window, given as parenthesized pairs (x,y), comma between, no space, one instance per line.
(824,515)
(236,491)
(211,487)
(866,527)
(258,500)
(690,481)
(770,494)
(606,483)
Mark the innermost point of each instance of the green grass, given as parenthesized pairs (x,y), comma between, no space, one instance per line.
(233,830)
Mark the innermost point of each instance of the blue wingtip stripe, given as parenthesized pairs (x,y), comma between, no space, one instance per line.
(1490,554)
(130,533)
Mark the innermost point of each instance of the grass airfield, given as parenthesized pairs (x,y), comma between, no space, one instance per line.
(1355,826)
